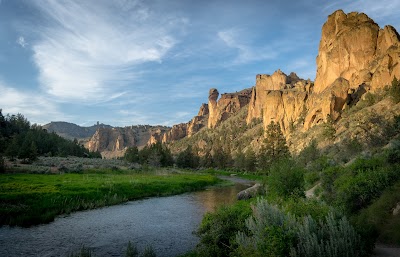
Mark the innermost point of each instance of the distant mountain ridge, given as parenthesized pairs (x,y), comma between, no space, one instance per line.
(72,131)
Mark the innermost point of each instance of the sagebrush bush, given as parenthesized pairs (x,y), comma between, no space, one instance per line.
(334,237)
(271,232)
(274,232)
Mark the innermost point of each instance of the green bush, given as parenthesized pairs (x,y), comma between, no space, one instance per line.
(218,230)
(358,187)
(131,250)
(270,232)
(285,179)
(274,232)
(334,237)
(83,252)
(378,219)
(148,252)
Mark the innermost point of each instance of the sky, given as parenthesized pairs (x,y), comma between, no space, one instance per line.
(130,62)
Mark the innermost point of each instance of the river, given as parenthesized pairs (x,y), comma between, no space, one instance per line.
(165,223)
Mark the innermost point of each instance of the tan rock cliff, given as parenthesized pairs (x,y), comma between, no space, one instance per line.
(355,56)
(112,142)
(227,105)
(353,47)
(279,98)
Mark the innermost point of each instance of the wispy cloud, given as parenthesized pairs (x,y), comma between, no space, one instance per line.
(87,50)
(21,41)
(247,52)
(36,108)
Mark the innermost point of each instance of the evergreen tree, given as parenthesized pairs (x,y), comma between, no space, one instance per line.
(188,159)
(132,154)
(240,161)
(250,160)
(274,146)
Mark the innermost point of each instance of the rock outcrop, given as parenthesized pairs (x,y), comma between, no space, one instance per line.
(72,131)
(355,56)
(112,142)
(279,98)
(353,47)
(227,105)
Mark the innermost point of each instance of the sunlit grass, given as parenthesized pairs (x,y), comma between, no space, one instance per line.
(27,199)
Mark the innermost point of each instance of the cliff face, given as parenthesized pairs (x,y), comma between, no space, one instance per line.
(355,56)
(72,131)
(227,105)
(112,142)
(353,47)
(279,98)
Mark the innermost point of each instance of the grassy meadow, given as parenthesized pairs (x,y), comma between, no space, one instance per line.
(28,199)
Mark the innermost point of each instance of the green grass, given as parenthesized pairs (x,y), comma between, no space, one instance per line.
(28,199)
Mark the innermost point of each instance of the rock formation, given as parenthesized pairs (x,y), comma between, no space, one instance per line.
(112,142)
(279,98)
(353,47)
(355,56)
(227,105)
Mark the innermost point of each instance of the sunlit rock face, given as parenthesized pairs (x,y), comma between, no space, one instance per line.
(353,47)
(355,56)
(112,142)
(228,104)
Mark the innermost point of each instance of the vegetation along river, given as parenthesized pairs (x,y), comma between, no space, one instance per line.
(165,223)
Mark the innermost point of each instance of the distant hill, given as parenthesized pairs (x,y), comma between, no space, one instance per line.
(71,130)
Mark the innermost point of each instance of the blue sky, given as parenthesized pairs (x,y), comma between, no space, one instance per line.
(126,62)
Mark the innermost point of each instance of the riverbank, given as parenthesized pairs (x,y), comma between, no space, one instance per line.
(29,199)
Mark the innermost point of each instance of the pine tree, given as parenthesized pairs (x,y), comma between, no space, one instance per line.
(274,146)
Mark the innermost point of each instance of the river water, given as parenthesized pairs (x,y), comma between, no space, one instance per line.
(165,223)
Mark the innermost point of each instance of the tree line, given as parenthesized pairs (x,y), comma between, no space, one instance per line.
(20,139)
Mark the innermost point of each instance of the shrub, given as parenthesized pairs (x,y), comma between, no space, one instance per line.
(273,232)
(285,179)
(332,238)
(148,252)
(394,90)
(131,250)
(83,252)
(218,230)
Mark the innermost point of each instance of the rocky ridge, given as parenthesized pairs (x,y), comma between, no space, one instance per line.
(355,56)
(72,131)
(113,142)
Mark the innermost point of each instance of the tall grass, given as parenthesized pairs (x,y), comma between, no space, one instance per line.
(27,199)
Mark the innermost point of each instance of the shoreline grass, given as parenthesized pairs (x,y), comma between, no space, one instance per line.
(30,199)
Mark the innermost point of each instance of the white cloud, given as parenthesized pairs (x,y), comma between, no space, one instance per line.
(21,41)
(234,38)
(36,108)
(86,50)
